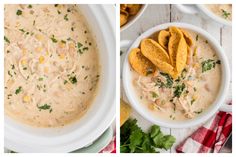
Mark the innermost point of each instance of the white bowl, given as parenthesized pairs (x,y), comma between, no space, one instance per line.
(134,18)
(206,13)
(22,138)
(145,112)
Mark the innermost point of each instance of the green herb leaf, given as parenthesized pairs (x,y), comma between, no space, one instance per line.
(18,90)
(6,39)
(65,17)
(225,14)
(18,12)
(134,140)
(198,112)
(45,107)
(53,39)
(73,79)
(63,41)
(167,141)
(79,45)
(197,37)
(179,90)
(169,80)
(22,30)
(209,64)
(154,95)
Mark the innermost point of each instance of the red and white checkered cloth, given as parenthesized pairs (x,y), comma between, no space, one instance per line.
(111,147)
(210,137)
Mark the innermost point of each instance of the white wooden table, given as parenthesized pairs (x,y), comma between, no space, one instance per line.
(158,14)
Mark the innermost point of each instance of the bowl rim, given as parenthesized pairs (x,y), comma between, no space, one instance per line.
(133,99)
(213,16)
(135,18)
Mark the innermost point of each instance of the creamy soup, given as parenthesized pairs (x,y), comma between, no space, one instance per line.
(221,10)
(51,64)
(191,93)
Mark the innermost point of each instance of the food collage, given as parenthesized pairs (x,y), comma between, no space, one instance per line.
(166,87)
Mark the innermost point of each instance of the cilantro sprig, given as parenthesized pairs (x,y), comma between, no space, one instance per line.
(134,140)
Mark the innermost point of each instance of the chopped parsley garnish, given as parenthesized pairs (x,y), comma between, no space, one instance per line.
(154,94)
(169,81)
(6,39)
(73,79)
(209,64)
(65,82)
(58,12)
(18,12)
(9,73)
(192,101)
(85,48)
(63,41)
(8,96)
(24,68)
(12,66)
(225,14)
(197,37)
(22,30)
(198,112)
(40,79)
(79,45)
(65,17)
(29,6)
(179,90)
(53,39)
(167,84)
(218,62)
(18,90)
(45,107)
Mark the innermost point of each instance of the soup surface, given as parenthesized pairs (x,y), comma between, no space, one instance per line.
(51,64)
(188,95)
(221,10)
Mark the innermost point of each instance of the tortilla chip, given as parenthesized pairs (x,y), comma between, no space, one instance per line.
(187,37)
(123,17)
(151,49)
(163,66)
(174,40)
(163,38)
(156,54)
(125,111)
(181,57)
(123,7)
(133,9)
(140,63)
